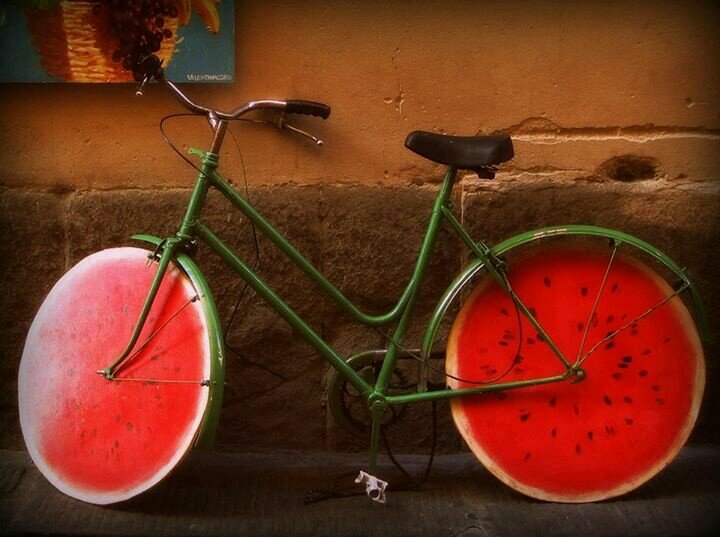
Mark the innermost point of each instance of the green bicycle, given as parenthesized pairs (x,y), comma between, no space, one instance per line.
(574,368)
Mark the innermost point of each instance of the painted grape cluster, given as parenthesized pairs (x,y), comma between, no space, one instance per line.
(139,27)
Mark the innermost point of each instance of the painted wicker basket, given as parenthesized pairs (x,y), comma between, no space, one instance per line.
(75,45)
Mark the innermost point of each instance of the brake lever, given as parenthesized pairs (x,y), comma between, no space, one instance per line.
(280,123)
(317,141)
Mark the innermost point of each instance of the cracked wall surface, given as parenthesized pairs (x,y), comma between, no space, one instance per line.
(614,110)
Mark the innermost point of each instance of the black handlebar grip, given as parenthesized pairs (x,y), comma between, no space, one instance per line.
(308,108)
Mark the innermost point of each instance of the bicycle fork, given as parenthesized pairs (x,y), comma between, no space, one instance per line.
(169,246)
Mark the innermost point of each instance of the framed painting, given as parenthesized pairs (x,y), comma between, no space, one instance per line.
(101,40)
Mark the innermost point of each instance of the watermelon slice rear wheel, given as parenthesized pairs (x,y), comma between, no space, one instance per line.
(105,441)
(632,334)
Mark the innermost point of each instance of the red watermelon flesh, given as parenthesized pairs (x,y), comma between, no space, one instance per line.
(103,441)
(597,438)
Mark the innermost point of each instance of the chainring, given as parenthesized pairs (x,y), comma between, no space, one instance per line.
(348,405)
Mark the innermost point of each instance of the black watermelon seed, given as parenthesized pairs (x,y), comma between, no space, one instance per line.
(576,409)
(117,444)
(552,401)
(616,376)
(609,429)
(504,311)
(524,417)
(547,281)
(643,373)
(609,345)
(607,400)
(508,337)
(590,435)
(527,457)
(553,433)
(583,291)
(622,365)
(614,288)
(610,319)
(627,359)
(629,421)
(660,401)
(580,327)
(656,387)
(539,337)
(503,343)
(129,426)
(533,312)
(530,341)
(628,400)
(578,449)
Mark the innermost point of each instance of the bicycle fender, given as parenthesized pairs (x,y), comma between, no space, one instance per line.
(208,426)
(466,276)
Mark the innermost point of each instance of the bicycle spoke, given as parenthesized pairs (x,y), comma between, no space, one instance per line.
(205,382)
(593,312)
(647,312)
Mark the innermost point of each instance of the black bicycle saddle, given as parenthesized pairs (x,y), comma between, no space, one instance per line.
(477,153)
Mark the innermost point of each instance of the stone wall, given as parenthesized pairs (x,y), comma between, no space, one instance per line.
(614,110)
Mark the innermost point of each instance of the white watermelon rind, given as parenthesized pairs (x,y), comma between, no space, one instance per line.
(47,313)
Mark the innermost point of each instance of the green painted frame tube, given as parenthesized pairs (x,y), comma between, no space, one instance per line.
(423,260)
(488,260)
(318,278)
(449,393)
(285,311)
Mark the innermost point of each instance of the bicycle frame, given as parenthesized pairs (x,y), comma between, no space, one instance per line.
(376,395)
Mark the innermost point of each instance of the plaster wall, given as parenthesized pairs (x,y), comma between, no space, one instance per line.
(614,109)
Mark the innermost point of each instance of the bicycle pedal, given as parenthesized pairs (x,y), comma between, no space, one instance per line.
(374,487)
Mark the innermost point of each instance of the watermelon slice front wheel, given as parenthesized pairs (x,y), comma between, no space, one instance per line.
(105,441)
(624,325)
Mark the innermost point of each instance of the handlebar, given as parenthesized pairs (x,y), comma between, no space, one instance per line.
(150,68)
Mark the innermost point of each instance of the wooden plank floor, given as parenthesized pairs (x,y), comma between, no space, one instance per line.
(251,494)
